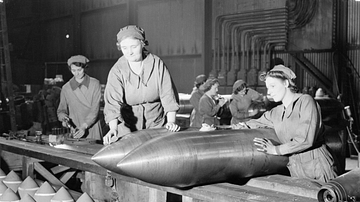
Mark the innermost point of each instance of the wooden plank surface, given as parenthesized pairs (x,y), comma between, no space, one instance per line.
(47,175)
(296,186)
(47,153)
(211,193)
(225,192)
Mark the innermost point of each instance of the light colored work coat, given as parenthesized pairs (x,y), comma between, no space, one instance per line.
(239,105)
(139,102)
(81,103)
(208,110)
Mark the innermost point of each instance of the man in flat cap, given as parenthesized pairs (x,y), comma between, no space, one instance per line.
(80,101)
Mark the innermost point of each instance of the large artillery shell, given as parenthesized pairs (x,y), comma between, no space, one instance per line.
(111,154)
(186,159)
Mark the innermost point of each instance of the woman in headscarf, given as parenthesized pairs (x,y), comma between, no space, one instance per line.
(139,93)
(298,125)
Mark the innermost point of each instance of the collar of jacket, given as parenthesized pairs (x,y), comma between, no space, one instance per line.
(74,84)
(148,68)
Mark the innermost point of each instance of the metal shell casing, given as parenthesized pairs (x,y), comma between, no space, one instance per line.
(192,158)
(111,154)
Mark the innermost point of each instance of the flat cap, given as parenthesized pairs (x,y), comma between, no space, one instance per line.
(77,58)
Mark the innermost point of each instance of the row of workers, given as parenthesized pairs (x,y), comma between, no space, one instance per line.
(140,94)
(208,105)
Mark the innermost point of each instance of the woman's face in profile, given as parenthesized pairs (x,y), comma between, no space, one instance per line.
(214,89)
(132,49)
(276,88)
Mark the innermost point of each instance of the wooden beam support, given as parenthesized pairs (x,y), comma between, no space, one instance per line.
(47,175)
(66,177)
(58,169)
(28,167)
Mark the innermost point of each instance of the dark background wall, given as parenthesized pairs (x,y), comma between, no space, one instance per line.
(175,30)
(181,32)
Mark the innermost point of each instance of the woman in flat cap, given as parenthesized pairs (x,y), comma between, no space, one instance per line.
(241,100)
(298,125)
(80,101)
(197,92)
(211,103)
(139,93)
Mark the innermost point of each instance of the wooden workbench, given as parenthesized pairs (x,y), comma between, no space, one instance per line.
(276,188)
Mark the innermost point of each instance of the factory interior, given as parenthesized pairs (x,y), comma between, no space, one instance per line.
(47,156)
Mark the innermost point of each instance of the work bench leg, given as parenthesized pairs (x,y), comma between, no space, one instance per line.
(28,167)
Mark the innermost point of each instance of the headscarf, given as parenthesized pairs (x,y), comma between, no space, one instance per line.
(131,31)
(287,71)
